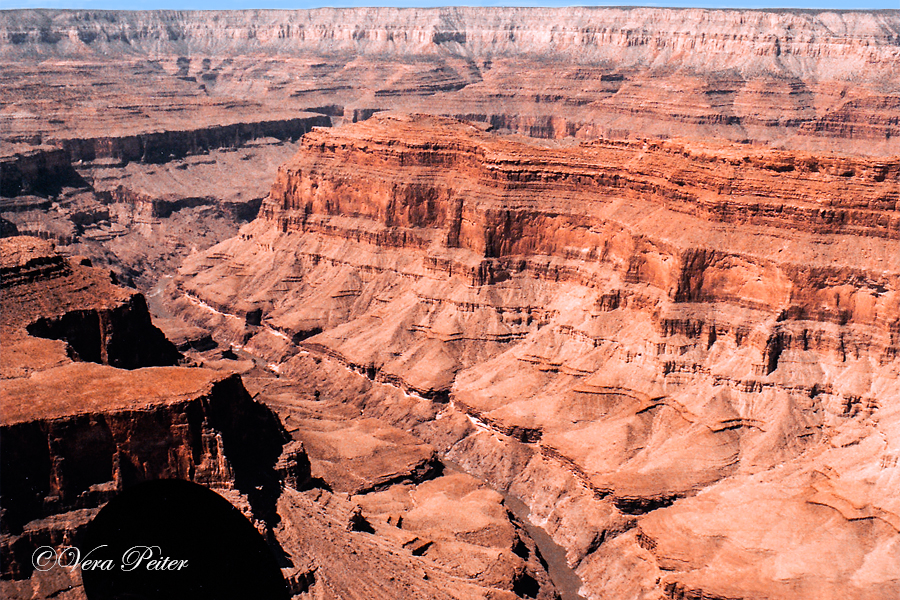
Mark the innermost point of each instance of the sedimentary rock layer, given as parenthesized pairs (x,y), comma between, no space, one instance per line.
(74,433)
(688,224)
(818,79)
(682,328)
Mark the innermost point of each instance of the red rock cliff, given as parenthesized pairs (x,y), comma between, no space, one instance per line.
(707,336)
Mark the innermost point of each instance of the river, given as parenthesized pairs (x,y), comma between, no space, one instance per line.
(565,579)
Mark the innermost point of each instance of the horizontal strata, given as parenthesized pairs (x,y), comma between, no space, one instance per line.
(47,169)
(162,146)
(778,252)
(674,327)
(692,36)
(822,80)
(807,222)
(726,184)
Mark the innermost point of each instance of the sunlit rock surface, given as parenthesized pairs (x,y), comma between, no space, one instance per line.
(703,335)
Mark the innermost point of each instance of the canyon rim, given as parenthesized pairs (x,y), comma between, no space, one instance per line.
(596,303)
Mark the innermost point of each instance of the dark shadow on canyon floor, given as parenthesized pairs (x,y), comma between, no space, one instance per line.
(150,528)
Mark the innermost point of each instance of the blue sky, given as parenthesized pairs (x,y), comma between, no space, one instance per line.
(293,4)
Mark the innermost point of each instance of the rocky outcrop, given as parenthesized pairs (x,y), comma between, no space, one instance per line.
(92,444)
(160,147)
(434,199)
(426,559)
(109,336)
(647,331)
(47,296)
(414,528)
(75,433)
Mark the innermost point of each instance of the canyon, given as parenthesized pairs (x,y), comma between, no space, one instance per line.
(462,302)
(636,338)
(84,419)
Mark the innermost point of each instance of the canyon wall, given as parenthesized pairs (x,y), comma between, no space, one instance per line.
(694,38)
(165,146)
(816,79)
(695,344)
(77,427)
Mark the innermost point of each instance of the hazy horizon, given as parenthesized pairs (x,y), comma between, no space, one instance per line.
(287,5)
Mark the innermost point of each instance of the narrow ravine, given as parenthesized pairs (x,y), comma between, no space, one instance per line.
(565,579)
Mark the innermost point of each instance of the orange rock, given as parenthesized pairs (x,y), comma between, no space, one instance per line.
(642,331)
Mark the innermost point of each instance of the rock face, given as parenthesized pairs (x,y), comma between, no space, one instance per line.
(76,433)
(95,443)
(48,296)
(76,430)
(42,170)
(694,344)
(812,79)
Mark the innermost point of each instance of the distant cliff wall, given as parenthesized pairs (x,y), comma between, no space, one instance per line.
(796,79)
(807,44)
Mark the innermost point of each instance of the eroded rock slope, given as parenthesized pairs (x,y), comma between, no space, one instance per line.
(93,404)
(683,356)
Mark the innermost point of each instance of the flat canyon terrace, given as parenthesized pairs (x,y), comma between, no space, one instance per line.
(461,303)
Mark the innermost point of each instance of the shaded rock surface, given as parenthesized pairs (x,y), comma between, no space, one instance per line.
(47,296)
(392,562)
